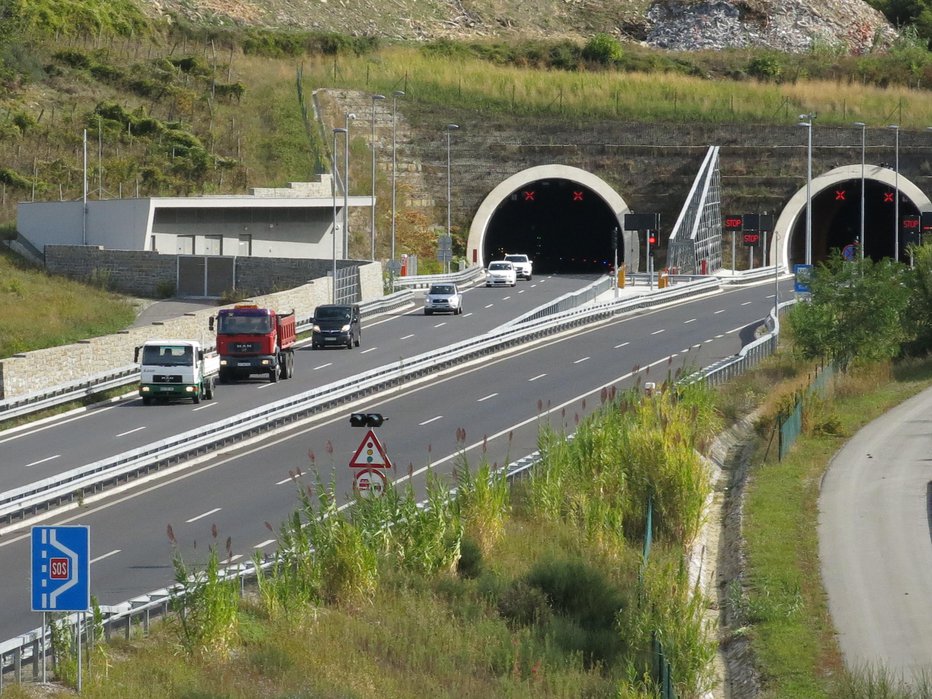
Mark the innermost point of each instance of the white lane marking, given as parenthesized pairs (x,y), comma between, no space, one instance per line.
(505,298)
(408,337)
(233,558)
(521,292)
(687,322)
(623,344)
(42,461)
(440,325)
(746,303)
(491,395)
(490,305)
(579,361)
(657,332)
(729,332)
(433,419)
(466,315)
(719,337)
(323,366)
(123,434)
(721,311)
(283,481)
(539,376)
(263,544)
(708,341)
(203,407)
(265,385)
(206,514)
(106,555)
(371,349)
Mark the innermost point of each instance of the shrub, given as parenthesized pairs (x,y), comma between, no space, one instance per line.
(524,605)
(603,49)
(765,67)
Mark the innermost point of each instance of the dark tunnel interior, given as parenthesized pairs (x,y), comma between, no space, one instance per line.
(836,221)
(562,225)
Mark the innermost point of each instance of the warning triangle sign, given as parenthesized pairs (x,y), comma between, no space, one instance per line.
(370,454)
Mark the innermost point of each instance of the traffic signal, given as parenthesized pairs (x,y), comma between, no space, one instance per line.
(652,237)
(366,419)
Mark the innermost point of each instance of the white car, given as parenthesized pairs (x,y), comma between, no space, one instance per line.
(522,263)
(501,273)
(443,297)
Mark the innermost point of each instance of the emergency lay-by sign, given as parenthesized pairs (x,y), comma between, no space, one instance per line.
(370,454)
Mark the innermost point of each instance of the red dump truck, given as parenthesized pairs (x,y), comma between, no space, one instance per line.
(253,340)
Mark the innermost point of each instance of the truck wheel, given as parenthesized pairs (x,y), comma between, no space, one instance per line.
(358,339)
(273,375)
(291,365)
(196,398)
(209,393)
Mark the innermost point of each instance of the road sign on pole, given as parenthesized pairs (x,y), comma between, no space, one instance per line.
(370,454)
(369,482)
(61,569)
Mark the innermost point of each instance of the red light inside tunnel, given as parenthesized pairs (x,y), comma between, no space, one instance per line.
(888,197)
(577,196)
(528,195)
(839,195)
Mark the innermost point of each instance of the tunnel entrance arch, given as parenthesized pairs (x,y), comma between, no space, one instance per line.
(562,216)
(836,214)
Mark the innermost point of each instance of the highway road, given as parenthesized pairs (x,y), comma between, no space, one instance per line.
(875,541)
(500,401)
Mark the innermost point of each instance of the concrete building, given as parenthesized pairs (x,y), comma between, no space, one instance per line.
(295,222)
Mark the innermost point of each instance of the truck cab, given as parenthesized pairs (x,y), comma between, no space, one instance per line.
(176,369)
(253,340)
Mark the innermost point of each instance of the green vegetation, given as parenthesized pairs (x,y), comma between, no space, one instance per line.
(41,312)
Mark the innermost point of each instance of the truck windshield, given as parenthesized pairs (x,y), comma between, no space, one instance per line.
(167,355)
(244,325)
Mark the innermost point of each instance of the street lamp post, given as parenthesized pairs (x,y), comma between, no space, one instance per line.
(375,98)
(896,201)
(349,117)
(333,189)
(395,95)
(450,129)
(863,142)
(806,120)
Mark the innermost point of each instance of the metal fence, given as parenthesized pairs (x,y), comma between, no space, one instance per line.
(790,423)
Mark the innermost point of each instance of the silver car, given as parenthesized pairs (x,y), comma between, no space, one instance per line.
(501,273)
(443,298)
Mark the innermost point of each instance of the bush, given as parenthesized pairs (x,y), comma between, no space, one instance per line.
(470,562)
(765,67)
(602,49)
(524,605)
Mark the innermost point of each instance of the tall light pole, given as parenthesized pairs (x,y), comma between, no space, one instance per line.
(863,142)
(349,117)
(333,189)
(375,98)
(806,120)
(395,95)
(450,129)
(896,201)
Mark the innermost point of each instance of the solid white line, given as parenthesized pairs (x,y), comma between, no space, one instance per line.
(408,337)
(433,419)
(371,349)
(687,322)
(729,332)
(42,461)
(263,544)
(106,555)
(206,514)
(579,361)
(202,407)
(539,376)
(123,434)
(623,344)
(491,395)
(657,332)
(324,366)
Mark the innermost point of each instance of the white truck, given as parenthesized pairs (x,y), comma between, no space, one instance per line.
(176,369)
(522,263)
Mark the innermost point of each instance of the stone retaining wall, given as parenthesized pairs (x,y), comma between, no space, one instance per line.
(43,369)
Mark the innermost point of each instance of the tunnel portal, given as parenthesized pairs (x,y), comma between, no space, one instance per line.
(564,226)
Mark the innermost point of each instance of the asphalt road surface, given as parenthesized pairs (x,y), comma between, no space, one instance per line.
(875,541)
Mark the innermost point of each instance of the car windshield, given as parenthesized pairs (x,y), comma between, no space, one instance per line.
(167,355)
(516,258)
(500,265)
(332,313)
(442,290)
(244,325)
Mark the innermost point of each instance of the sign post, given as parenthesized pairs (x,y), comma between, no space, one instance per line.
(372,461)
(61,576)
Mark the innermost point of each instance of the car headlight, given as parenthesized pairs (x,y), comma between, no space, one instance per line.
(189,389)
(315,328)
(144,389)
(345,328)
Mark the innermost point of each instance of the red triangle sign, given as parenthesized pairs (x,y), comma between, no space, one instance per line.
(370,454)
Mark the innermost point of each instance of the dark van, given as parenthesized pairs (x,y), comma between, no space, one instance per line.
(336,325)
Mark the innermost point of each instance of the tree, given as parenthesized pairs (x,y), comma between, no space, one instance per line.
(919,314)
(857,312)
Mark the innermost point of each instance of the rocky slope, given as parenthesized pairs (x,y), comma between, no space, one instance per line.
(783,25)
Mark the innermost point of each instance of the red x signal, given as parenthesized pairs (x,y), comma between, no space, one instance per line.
(577,196)
(888,197)
(839,195)
(529,195)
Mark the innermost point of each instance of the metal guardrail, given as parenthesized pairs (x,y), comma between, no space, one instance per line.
(124,376)
(423,281)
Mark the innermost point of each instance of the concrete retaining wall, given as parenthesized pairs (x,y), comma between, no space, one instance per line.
(43,369)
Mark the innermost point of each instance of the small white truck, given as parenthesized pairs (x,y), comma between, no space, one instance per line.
(176,369)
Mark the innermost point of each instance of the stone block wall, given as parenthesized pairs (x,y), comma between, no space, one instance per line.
(137,273)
